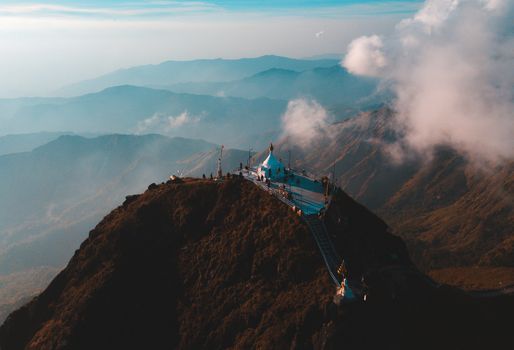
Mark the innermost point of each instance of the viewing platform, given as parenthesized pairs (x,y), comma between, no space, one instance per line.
(302,191)
(305,193)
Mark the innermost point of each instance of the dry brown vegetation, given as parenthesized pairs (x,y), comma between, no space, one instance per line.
(16,286)
(201,264)
(475,278)
(450,212)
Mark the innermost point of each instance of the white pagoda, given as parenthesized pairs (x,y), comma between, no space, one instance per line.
(271,168)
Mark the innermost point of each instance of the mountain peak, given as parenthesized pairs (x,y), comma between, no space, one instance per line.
(165,267)
(162,259)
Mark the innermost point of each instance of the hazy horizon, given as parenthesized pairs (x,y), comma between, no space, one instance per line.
(51,44)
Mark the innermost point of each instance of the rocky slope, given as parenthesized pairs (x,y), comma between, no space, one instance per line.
(202,264)
(449,211)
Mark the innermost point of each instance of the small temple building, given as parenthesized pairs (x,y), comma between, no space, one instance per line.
(271,168)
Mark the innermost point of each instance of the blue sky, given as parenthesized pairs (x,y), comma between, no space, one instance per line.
(179,7)
(48,44)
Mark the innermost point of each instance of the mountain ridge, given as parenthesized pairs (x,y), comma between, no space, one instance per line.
(194,70)
(134,109)
(332,86)
(167,265)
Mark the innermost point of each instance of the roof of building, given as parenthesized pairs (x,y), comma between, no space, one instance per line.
(271,162)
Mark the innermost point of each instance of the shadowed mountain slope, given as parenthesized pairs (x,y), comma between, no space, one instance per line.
(449,211)
(51,197)
(213,265)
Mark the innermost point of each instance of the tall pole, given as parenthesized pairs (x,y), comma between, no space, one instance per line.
(290,172)
(334,173)
(249,156)
(327,183)
(220,172)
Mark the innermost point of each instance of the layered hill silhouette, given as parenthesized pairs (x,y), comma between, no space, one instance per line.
(130,109)
(236,102)
(26,142)
(203,70)
(203,264)
(330,86)
(449,211)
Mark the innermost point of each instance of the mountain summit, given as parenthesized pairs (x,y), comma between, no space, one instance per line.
(202,264)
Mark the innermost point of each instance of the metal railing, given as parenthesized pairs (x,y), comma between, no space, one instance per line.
(327,250)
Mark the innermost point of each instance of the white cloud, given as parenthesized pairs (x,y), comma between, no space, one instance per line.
(305,121)
(319,34)
(451,66)
(365,56)
(164,124)
(434,13)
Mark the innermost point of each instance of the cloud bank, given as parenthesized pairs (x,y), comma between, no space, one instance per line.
(452,68)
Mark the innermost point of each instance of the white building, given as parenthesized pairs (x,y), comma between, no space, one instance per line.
(271,168)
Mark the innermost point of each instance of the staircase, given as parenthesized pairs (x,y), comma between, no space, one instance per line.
(325,245)
(319,232)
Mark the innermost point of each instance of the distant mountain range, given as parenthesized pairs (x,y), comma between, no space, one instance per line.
(26,142)
(52,196)
(235,102)
(331,86)
(205,70)
(130,109)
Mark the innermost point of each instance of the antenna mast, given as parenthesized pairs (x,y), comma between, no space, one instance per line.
(219,171)
(249,157)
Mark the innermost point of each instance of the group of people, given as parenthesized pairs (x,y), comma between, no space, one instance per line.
(227,176)
(297,210)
